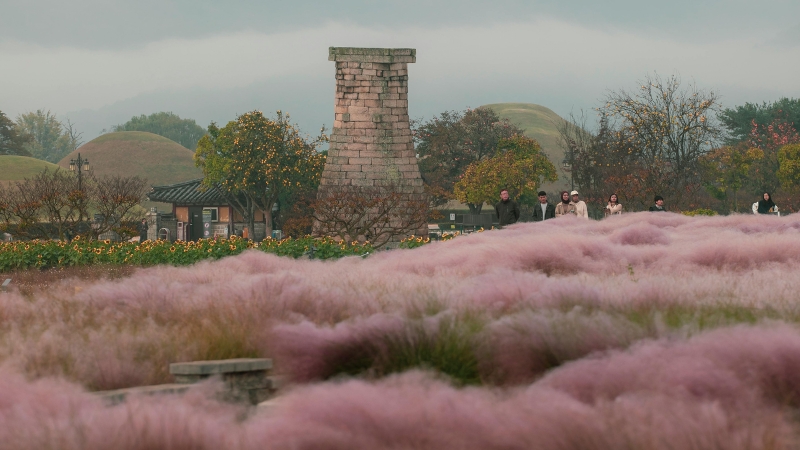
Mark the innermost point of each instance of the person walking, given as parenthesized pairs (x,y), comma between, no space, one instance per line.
(564,207)
(580,206)
(543,210)
(766,205)
(659,204)
(507,210)
(613,206)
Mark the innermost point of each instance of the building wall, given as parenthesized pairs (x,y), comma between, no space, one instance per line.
(182,213)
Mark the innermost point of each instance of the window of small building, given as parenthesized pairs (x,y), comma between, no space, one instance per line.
(214,213)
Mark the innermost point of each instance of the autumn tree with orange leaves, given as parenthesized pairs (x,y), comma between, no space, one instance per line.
(254,160)
(518,165)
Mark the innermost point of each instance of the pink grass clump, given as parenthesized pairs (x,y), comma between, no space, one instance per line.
(519,348)
(735,366)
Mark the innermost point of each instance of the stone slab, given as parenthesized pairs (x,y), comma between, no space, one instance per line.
(220,366)
(373,55)
(117,396)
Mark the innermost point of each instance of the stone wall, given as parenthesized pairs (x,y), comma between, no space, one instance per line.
(371,144)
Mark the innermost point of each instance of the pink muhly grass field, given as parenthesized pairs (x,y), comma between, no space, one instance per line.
(638,331)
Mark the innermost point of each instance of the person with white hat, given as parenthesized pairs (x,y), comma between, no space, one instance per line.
(580,206)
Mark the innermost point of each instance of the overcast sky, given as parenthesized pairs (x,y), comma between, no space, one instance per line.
(99,62)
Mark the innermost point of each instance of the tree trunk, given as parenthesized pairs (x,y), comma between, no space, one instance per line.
(251,220)
(475,209)
(268,221)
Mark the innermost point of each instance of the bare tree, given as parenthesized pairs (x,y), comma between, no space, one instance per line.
(667,127)
(114,198)
(63,204)
(377,214)
(21,210)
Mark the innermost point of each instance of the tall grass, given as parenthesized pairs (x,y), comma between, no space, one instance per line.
(549,292)
(644,331)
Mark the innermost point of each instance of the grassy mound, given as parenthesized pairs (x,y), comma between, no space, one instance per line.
(16,168)
(156,158)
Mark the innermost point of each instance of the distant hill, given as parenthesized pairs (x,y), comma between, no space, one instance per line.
(17,168)
(156,158)
(538,123)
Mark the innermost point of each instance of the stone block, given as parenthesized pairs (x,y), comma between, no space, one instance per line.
(364,124)
(360,161)
(361,182)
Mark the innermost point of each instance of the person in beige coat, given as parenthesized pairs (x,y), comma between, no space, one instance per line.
(580,206)
(613,206)
(564,207)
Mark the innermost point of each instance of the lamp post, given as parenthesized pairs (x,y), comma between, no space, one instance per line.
(567,163)
(79,165)
(568,168)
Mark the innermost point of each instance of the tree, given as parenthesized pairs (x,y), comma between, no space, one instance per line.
(739,121)
(769,138)
(254,160)
(376,214)
(447,144)
(63,204)
(51,139)
(183,131)
(666,129)
(519,165)
(115,198)
(789,172)
(726,171)
(11,141)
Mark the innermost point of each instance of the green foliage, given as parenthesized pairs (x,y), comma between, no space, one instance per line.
(450,142)
(739,120)
(699,212)
(789,172)
(726,171)
(81,252)
(448,348)
(183,131)
(519,166)
(255,160)
(51,139)
(11,141)
(413,242)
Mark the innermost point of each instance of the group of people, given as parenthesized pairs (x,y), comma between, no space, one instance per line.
(507,210)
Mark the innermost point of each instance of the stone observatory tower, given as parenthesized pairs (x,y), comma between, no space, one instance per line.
(371,150)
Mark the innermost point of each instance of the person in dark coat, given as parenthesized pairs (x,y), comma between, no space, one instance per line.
(143,230)
(659,204)
(766,205)
(543,210)
(507,210)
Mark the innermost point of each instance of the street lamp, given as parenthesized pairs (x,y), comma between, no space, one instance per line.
(568,168)
(80,165)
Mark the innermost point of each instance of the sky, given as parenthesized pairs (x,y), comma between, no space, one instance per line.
(100,62)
